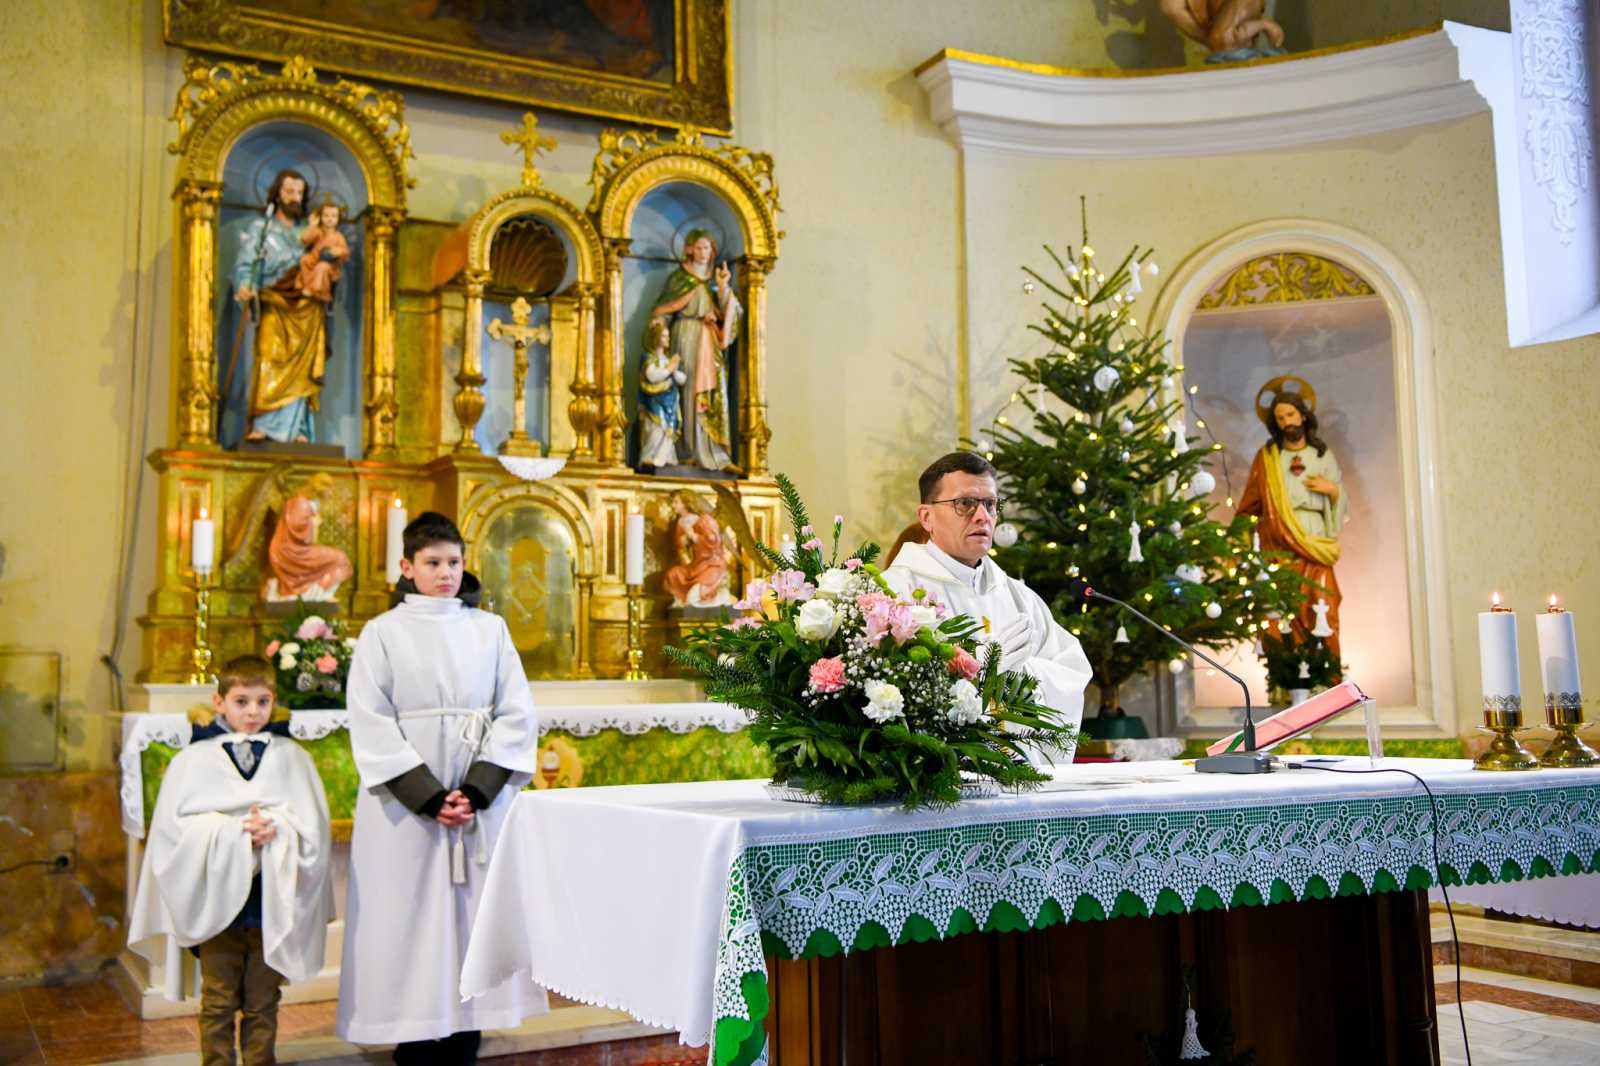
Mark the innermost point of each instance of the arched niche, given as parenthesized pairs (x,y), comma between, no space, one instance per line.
(220,106)
(568,311)
(532,546)
(330,169)
(1384,307)
(641,184)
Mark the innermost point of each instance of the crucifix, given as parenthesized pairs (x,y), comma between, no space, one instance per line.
(519,334)
(530,143)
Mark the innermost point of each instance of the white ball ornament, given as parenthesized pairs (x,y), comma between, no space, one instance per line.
(1005,535)
(1176,528)
(1126,425)
(1213,610)
(1079,486)
(1201,483)
(1176,666)
(1106,378)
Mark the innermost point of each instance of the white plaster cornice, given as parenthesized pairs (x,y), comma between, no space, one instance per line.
(993,104)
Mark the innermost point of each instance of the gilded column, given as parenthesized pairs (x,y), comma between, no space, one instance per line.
(753,414)
(383,405)
(583,411)
(469,401)
(196,409)
(613,425)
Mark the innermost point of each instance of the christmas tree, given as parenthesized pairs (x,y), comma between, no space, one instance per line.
(1105,482)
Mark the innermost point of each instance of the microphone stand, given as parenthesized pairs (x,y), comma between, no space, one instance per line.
(1247,761)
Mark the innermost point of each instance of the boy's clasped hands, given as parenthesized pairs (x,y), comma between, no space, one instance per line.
(261,828)
(457,810)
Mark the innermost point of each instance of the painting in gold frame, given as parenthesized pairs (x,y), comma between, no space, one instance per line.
(658,62)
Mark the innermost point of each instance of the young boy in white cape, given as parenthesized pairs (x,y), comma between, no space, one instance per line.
(237,864)
(443,731)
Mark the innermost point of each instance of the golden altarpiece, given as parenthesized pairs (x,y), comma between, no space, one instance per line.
(530,276)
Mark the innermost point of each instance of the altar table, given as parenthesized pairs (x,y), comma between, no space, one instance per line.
(665,901)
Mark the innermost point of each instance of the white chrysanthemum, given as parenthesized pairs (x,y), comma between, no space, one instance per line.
(884,701)
(924,614)
(966,706)
(817,620)
(287,661)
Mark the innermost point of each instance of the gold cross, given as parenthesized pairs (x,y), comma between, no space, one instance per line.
(530,142)
(520,335)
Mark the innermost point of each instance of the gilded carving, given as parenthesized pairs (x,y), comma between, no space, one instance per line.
(1285,277)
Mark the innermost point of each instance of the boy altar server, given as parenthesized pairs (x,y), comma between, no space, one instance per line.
(960,506)
(237,863)
(443,731)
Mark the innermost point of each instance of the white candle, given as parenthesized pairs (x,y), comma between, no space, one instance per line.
(1558,657)
(1497,658)
(786,547)
(394,542)
(202,543)
(633,568)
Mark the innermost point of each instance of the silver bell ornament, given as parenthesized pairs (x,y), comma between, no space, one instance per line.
(1122,635)
(1005,535)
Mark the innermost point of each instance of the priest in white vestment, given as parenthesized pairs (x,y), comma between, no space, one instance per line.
(959,508)
(443,732)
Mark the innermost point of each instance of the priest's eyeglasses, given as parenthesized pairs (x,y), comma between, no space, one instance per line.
(966,505)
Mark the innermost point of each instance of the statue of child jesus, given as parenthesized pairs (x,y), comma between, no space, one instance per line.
(326,251)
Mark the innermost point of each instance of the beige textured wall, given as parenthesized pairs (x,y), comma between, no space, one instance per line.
(1512,424)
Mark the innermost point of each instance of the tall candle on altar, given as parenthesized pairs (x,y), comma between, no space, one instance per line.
(633,566)
(1497,658)
(1558,657)
(394,542)
(202,544)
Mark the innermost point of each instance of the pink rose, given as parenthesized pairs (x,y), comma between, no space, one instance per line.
(313,628)
(902,624)
(964,664)
(791,585)
(272,649)
(327,664)
(827,675)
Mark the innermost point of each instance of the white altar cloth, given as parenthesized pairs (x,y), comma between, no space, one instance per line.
(652,899)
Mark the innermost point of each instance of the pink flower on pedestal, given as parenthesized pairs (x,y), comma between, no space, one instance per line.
(327,664)
(827,675)
(791,585)
(272,649)
(964,664)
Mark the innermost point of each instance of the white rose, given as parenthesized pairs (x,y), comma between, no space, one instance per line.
(834,583)
(287,661)
(290,648)
(884,701)
(924,615)
(350,642)
(817,620)
(966,706)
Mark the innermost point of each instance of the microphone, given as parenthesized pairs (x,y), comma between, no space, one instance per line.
(1246,761)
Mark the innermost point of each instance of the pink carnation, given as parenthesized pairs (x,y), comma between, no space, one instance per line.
(812,545)
(827,675)
(313,628)
(852,564)
(272,649)
(888,617)
(902,626)
(869,600)
(791,585)
(327,664)
(964,664)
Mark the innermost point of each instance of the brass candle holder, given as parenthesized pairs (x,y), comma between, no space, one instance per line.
(200,658)
(1502,716)
(1567,751)
(636,670)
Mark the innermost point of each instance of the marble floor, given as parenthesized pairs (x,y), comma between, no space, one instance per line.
(1516,1019)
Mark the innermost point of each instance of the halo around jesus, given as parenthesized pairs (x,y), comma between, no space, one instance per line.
(1276,387)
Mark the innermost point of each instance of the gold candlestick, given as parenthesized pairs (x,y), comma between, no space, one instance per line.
(1567,750)
(200,659)
(636,670)
(1502,716)
(1563,708)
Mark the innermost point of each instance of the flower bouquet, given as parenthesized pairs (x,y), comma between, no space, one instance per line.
(860,695)
(312,655)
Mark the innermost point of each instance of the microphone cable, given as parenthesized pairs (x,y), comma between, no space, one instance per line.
(1438,874)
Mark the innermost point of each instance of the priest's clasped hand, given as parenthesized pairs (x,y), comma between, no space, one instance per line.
(457,810)
(1015,639)
(261,828)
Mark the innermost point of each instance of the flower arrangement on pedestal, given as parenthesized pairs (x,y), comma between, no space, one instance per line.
(312,657)
(860,695)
